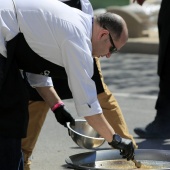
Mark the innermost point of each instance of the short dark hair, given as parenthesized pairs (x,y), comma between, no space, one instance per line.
(111,22)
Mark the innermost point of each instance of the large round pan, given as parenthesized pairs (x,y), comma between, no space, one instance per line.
(101,160)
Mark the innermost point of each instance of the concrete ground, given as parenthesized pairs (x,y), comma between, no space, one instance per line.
(132,78)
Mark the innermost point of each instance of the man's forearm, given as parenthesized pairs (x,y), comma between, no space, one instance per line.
(49,95)
(100,124)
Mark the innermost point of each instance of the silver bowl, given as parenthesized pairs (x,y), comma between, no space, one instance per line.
(84,135)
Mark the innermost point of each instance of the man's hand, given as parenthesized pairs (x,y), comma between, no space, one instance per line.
(140,2)
(63,116)
(124,145)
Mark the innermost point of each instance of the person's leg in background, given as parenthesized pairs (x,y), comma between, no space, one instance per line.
(111,109)
(37,114)
(160,126)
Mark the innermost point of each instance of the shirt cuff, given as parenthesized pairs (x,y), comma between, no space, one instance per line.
(37,80)
(89,109)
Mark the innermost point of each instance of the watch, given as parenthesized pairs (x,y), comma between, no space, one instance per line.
(116,139)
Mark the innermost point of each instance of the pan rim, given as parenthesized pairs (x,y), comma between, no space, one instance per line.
(76,161)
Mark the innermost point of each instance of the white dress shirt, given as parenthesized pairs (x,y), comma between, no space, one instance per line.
(37,80)
(59,34)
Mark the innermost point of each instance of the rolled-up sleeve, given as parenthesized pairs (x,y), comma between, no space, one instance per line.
(37,80)
(78,63)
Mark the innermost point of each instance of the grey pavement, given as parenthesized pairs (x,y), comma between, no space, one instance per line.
(133,80)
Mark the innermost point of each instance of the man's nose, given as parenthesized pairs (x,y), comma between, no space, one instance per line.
(108,55)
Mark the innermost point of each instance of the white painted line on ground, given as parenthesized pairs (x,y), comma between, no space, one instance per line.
(135,96)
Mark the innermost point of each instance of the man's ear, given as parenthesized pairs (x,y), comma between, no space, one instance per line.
(102,34)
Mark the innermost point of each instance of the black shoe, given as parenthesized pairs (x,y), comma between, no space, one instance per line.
(156,129)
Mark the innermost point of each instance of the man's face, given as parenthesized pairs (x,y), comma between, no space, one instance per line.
(106,45)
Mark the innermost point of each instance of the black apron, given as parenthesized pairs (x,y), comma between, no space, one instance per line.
(13,98)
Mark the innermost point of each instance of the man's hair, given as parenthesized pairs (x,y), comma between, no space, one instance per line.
(111,22)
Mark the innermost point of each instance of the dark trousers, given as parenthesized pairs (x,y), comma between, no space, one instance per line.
(10,154)
(163,100)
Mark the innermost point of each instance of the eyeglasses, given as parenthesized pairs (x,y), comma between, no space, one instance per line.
(112,49)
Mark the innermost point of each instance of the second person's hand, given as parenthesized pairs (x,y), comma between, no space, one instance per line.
(63,116)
